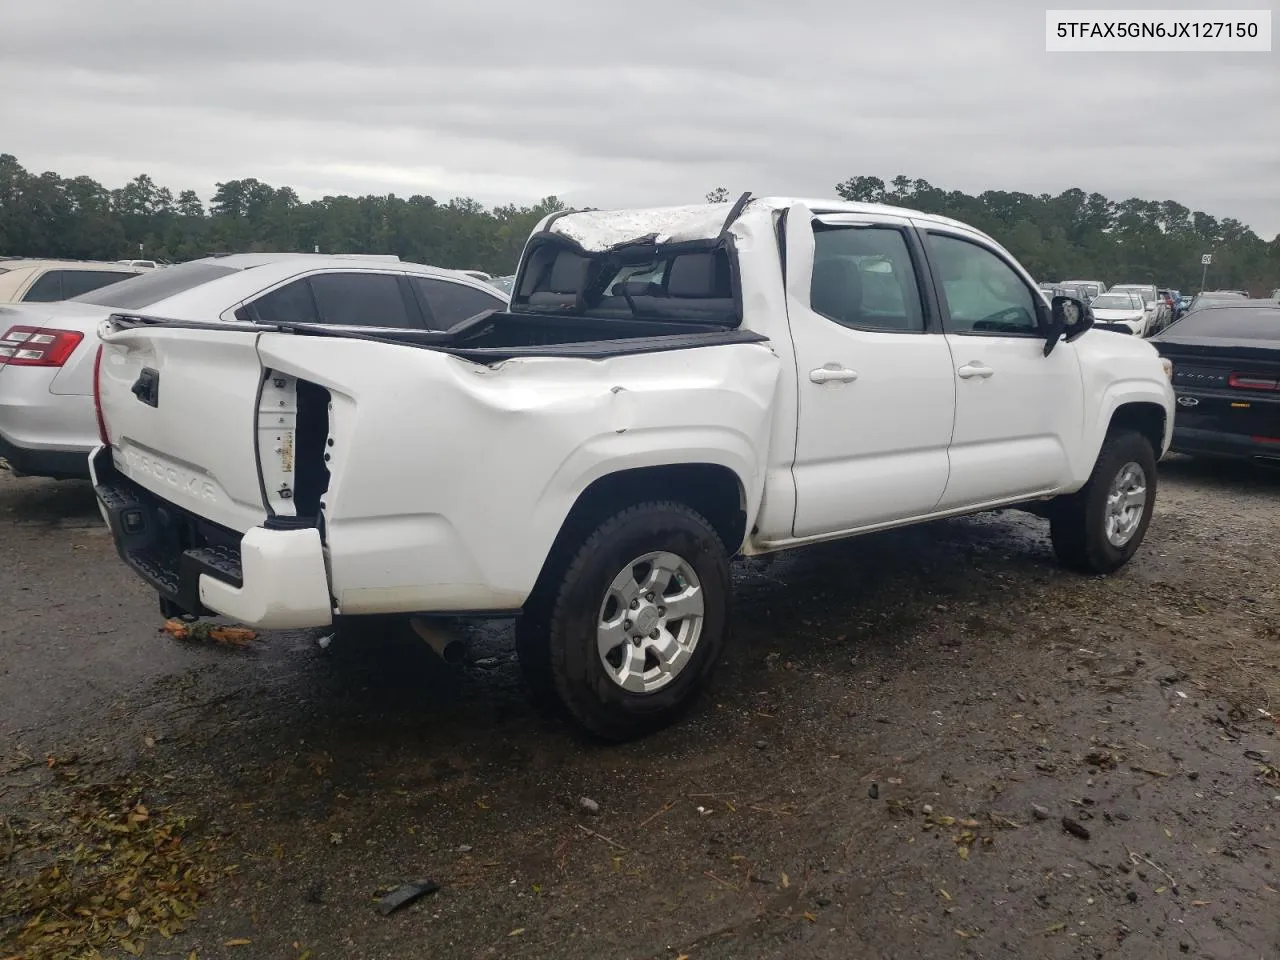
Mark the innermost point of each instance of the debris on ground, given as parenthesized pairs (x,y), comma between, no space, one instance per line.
(1040,812)
(210,632)
(1075,828)
(102,868)
(404,895)
(589,806)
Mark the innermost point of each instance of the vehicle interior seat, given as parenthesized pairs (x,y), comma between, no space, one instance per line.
(836,290)
(561,282)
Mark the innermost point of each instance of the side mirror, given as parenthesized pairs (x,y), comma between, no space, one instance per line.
(1069,318)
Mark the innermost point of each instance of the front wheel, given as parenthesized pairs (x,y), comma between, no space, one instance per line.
(1100,527)
(639,620)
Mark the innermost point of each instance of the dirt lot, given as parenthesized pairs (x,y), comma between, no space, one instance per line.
(882,770)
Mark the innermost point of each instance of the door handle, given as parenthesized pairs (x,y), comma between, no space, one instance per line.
(974,369)
(833,374)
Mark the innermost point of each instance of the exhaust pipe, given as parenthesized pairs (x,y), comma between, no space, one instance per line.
(447,646)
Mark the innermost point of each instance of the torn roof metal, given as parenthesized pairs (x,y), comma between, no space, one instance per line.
(600,230)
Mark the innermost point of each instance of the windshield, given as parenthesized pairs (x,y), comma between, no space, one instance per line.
(153,286)
(1230,323)
(1118,301)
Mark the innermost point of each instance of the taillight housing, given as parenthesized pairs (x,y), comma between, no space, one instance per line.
(1246,381)
(38,346)
(97,396)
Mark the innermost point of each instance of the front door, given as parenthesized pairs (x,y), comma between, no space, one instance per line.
(876,391)
(1018,412)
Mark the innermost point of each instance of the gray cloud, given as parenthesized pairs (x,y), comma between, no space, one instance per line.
(620,104)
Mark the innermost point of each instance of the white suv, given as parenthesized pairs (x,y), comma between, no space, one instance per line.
(47,421)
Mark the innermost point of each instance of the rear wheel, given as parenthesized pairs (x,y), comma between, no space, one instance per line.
(1099,528)
(639,620)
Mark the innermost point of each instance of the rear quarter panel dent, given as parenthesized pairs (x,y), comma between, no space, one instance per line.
(500,454)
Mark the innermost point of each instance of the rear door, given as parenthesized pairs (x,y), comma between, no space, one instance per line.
(876,393)
(181,408)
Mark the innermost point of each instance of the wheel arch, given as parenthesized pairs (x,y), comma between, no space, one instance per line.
(713,490)
(1144,417)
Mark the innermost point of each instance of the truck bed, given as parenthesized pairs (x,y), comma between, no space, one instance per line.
(496,336)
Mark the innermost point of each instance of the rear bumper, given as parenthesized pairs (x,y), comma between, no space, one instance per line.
(28,462)
(1215,443)
(44,434)
(274,579)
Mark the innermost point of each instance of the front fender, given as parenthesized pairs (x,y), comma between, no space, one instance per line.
(1119,394)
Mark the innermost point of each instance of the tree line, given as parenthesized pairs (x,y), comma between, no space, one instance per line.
(1071,235)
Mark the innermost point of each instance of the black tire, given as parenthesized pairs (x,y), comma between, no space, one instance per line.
(533,650)
(1078,522)
(585,688)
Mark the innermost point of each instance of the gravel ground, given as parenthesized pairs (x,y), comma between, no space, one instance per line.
(928,743)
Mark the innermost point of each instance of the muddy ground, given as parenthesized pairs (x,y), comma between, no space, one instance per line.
(881,770)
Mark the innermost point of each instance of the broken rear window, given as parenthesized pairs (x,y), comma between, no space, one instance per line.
(681,284)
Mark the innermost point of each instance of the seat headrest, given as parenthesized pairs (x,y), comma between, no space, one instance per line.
(702,276)
(836,288)
(568,273)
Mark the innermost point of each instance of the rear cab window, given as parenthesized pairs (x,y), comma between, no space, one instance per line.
(693,282)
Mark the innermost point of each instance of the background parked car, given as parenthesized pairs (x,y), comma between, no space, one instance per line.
(1226,374)
(46,281)
(1121,309)
(1159,315)
(1091,288)
(47,419)
(1206,298)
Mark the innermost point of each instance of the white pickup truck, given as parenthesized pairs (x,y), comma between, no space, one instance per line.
(668,389)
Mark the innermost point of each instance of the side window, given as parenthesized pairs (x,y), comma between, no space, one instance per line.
(76,282)
(289,304)
(46,289)
(361,300)
(863,278)
(983,293)
(447,304)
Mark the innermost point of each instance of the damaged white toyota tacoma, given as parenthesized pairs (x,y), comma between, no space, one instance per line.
(669,388)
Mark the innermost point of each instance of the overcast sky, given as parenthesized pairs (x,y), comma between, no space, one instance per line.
(611,103)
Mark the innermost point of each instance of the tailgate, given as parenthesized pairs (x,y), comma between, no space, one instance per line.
(180,406)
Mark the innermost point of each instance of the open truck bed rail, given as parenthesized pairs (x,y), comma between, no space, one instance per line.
(584,338)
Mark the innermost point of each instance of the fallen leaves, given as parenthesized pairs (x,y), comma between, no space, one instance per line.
(209,632)
(105,872)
